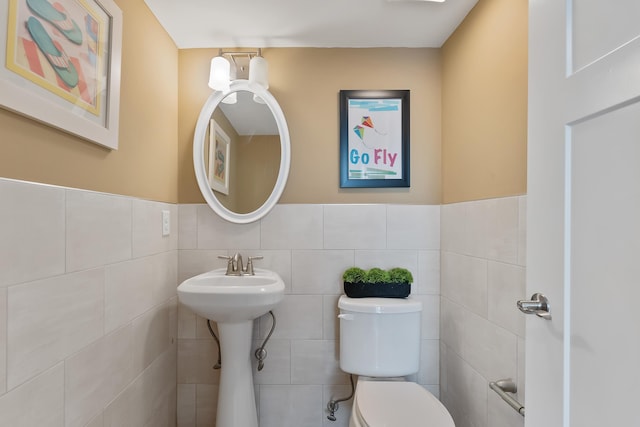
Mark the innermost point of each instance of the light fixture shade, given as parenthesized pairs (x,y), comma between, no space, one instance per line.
(220,74)
(259,71)
(232,98)
(259,100)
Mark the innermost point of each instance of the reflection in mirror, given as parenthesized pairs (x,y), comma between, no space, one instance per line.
(242,153)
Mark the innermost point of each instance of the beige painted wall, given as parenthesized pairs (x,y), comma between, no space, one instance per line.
(484,104)
(483,112)
(145,163)
(258,167)
(306,83)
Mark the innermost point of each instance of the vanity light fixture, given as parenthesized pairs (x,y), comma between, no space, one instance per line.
(259,71)
(259,74)
(219,76)
(249,65)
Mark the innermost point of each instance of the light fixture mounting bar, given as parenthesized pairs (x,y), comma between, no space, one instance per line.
(241,61)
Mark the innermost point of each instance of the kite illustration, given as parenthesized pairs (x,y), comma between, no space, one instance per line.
(366,121)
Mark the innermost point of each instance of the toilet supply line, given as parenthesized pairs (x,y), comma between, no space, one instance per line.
(333,405)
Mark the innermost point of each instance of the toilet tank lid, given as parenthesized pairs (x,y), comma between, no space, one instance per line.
(380,305)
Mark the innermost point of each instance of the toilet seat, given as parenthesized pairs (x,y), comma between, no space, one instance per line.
(395,404)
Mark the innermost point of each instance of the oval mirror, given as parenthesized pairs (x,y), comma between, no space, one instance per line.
(241,152)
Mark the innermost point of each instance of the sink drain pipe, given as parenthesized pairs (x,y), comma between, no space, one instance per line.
(261,352)
(213,334)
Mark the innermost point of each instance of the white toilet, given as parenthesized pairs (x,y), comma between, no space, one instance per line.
(380,341)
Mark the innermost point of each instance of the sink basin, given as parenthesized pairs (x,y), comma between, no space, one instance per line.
(232,298)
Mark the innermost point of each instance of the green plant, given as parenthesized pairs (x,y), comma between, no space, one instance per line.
(400,275)
(354,275)
(377,275)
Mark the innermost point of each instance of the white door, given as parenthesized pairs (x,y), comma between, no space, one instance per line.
(583,253)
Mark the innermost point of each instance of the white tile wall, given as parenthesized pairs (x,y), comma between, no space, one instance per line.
(50,319)
(316,362)
(95,375)
(98,229)
(355,227)
(37,402)
(147,219)
(298,316)
(187,226)
(310,246)
(128,291)
(89,318)
(327,266)
(482,332)
(216,233)
(424,232)
(186,404)
(463,391)
(464,280)
(32,232)
(290,406)
(206,404)
(279,362)
(88,309)
(293,227)
(428,279)
(506,284)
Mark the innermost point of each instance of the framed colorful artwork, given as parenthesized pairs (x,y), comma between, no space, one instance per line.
(61,64)
(219,152)
(374,138)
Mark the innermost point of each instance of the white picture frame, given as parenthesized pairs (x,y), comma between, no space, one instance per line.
(73,86)
(219,158)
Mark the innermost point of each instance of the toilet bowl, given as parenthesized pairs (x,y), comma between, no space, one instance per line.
(380,341)
(397,404)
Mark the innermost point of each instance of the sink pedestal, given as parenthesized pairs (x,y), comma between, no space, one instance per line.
(236,398)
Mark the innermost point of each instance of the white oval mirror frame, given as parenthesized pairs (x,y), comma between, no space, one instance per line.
(198,153)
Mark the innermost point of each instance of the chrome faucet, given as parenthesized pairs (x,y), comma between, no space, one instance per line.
(235,266)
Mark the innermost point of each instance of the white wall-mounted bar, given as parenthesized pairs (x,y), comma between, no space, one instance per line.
(502,387)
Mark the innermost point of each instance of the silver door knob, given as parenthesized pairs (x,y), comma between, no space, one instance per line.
(538,305)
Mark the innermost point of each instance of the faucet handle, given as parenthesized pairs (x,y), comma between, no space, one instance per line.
(229,264)
(249,269)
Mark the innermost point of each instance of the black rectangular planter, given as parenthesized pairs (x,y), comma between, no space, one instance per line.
(379,290)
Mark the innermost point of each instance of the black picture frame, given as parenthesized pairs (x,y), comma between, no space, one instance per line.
(374,138)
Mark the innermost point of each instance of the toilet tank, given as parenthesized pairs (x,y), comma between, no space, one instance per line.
(379,337)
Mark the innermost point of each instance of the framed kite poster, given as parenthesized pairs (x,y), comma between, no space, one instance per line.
(374,138)
(60,64)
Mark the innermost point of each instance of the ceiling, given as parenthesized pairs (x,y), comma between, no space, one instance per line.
(262,121)
(305,23)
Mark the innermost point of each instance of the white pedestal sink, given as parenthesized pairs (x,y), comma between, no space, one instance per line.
(233,302)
